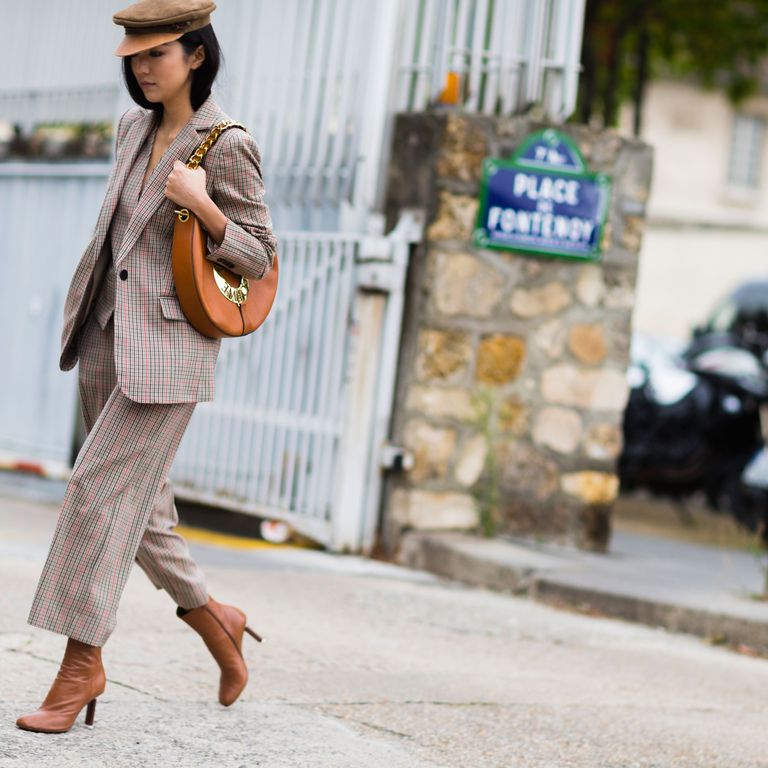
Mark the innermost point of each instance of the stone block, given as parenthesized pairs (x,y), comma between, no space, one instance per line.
(533,267)
(602,390)
(587,343)
(443,355)
(590,288)
(430,510)
(464,146)
(632,234)
(513,416)
(549,338)
(521,516)
(455,219)
(466,286)
(499,359)
(441,402)
(594,488)
(594,531)
(471,461)
(620,292)
(432,449)
(535,302)
(606,244)
(558,428)
(603,442)
(525,473)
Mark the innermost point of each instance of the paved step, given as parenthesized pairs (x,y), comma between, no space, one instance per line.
(702,590)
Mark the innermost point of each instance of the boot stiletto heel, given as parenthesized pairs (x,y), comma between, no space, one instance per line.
(252,633)
(78,682)
(90,713)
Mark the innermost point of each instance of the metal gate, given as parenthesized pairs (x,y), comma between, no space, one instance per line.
(302,405)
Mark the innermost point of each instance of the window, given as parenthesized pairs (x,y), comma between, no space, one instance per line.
(746,151)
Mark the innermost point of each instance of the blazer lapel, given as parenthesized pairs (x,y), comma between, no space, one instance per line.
(133,140)
(185,143)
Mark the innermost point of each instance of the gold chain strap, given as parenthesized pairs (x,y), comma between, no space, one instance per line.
(197,156)
(236,294)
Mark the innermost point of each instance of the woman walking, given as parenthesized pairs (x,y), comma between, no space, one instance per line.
(142,365)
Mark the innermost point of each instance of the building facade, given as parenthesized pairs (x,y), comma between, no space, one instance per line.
(707,227)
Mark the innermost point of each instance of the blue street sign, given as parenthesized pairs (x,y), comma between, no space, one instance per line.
(543,201)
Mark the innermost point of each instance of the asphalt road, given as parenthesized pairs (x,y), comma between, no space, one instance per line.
(368,664)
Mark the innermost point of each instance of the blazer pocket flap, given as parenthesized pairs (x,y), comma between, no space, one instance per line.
(171,309)
(102,317)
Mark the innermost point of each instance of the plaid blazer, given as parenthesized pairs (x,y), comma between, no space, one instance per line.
(159,356)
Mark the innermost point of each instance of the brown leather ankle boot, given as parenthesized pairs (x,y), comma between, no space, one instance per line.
(79,681)
(221,627)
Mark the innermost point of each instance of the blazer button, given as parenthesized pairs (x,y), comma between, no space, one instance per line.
(123,274)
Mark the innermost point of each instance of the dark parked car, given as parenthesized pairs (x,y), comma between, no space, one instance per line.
(742,314)
(697,421)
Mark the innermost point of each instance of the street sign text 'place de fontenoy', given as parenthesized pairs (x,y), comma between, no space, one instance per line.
(543,200)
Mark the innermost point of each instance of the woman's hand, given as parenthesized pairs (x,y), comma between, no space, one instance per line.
(186,187)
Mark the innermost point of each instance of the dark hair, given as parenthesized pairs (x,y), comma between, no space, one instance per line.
(202,78)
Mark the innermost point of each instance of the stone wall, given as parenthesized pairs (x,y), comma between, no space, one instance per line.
(511,381)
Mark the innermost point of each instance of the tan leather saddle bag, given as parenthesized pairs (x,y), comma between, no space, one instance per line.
(215,300)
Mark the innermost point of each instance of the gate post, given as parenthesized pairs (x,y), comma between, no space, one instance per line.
(375,329)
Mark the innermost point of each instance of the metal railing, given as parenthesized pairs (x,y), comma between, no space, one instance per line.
(317,82)
(504,54)
(302,405)
(300,418)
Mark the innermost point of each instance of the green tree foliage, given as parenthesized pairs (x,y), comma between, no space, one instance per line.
(719,43)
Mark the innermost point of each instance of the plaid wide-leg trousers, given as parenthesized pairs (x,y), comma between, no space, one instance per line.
(118,507)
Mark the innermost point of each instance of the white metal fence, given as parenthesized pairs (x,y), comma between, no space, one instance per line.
(507,54)
(316,81)
(270,439)
(300,417)
(48,212)
(302,407)
(57,62)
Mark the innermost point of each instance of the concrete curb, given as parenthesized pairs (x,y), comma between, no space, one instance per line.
(444,554)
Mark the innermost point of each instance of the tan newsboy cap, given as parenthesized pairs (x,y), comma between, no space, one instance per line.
(154,22)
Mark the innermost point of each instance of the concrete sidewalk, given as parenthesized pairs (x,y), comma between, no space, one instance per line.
(706,591)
